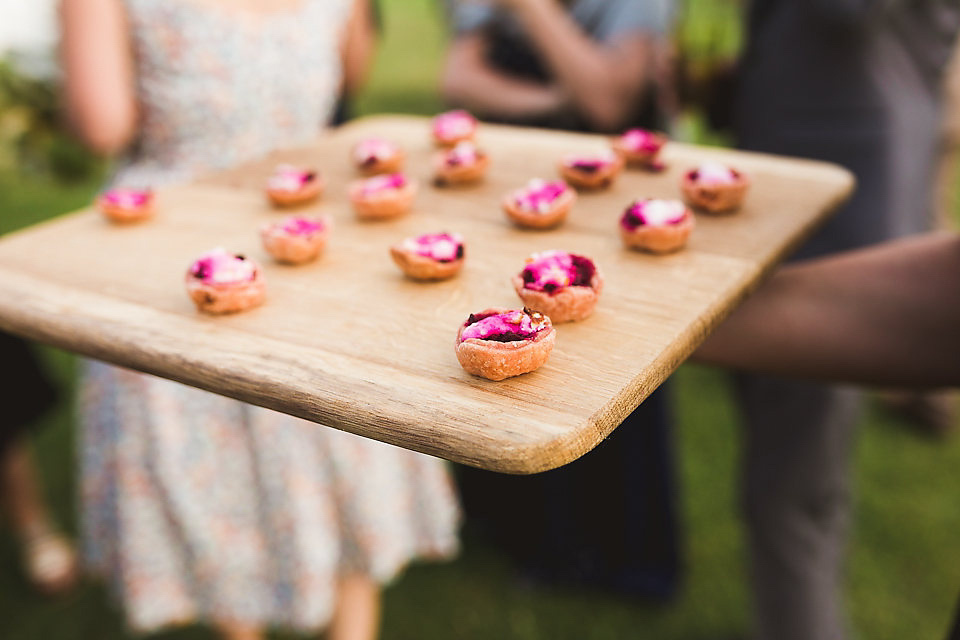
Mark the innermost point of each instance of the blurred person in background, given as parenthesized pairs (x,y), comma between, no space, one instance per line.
(609,519)
(856,82)
(887,315)
(197,507)
(49,560)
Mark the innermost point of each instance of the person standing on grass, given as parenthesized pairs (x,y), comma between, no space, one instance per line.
(49,560)
(609,519)
(856,82)
(197,507)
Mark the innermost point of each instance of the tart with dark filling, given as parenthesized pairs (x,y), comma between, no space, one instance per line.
(462,164)
(715,188)
(290,186)
(501,343)
(374,156)
(657,226)
(452,127)
(382,197)
(540,205)
(222,282)
(126,205)
(564,286)
(596,171)
(432,256)
(296,239)
(641,148)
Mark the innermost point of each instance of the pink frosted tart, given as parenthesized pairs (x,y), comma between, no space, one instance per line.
(453,126)
(296,239)
(382,197)
(500,343)
(658,226)
(593,171)
(641,148)
(540,205)
(432,256)
(374,156)
(715,188)
(223,282)
(126,205)
(563,286)
(464,163)
(290,186)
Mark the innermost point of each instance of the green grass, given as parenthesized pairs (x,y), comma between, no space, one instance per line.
(904,570)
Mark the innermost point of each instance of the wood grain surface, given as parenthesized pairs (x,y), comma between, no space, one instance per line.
(348,342)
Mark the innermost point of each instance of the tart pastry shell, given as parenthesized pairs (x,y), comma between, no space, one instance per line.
(307,193)
(421,267)
(445,174)
(566,304)
(591,180)
(500,360)
(659,239)
(715,198)
(535,220)
(226,298)
(293,249)
(124,215)
(384,205)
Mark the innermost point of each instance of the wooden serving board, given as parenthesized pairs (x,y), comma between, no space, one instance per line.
(348,342)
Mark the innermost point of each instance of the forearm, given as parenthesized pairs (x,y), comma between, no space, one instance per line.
(604,80)
(469,83)
(889,315)
(99,91)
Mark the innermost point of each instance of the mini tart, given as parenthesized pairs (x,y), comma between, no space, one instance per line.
(501,343)
(597,171)
(715,188)
(539,205)
(290,186)
(374,156)
(657,226)
(382,197)
(221,282)
(560,285)
(432,256)
(296,239)
(126,205)
(463,164)
(641,148)
(452,127)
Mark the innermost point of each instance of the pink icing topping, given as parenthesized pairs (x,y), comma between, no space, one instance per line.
(289,178)
(221,267)
(300,226)
(640,140)
(465,153)
(372,150)
(553,270)
(454,124)
(653,213)
(538,195)
(713,173)
(510,326)
(442,247)
(128,198)
(590,163)
(377,184)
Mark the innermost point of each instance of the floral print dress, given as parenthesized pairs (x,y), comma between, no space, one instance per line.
(196,506)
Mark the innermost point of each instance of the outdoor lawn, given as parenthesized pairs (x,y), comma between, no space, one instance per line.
(904,566)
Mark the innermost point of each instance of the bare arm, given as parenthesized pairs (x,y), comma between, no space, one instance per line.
(358,46)
(604,80)
(888,315)
(469,82)
(99,84)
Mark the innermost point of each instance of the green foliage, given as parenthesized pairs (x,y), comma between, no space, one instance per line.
(31,137)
